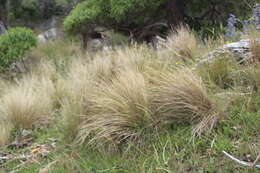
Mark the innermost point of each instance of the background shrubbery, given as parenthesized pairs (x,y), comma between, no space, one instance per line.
(131,108)
(14,44)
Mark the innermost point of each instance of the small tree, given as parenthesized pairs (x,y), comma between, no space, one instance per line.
(132,17)
(142,19)
(14,44)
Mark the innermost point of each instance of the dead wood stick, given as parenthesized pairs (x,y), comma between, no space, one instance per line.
(16,157)
(256,160)
(243,162)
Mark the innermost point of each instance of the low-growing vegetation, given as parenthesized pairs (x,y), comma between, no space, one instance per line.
(14,44)
(132,109)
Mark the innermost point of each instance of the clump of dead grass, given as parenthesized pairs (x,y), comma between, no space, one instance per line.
(255,49)
(181,97)
(183,43)
(253,35)
(88,78)
(119,95)
(26,103)
(119,110)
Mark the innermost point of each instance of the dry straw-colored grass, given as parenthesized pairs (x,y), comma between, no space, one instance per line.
(181,97)
(119,95)
(26,104)
(119,110)
(133,103)
(88,78)
(253,35)
(183,43)
(5,132)
(255,49)
(114,96)
(77,85)
(82,79)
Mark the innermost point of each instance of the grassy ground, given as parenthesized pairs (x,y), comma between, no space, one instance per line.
(173,151)
(131,109)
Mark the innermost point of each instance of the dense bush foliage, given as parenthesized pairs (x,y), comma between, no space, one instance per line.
(142,18)
(14,44)
(33,10)
(124,15)
(135,16)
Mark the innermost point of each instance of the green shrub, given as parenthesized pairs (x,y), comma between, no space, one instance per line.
(82,15)
(14,44)
(115,11)
(125,16)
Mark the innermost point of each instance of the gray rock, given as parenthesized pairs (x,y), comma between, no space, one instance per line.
(240,51)
(41,38)
(99,44)
(96,43)
(50,35)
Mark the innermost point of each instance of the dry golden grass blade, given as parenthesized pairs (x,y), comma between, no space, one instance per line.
(5,131)
(120,110)
(183,43)
(182,97)
(26,103)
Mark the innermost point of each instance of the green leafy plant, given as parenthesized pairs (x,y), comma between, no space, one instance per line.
(126,16)
(14,44)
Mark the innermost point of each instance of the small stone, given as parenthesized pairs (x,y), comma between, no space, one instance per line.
(50,35)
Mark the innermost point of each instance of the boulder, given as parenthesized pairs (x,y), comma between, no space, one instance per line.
(240,50)
(96,43)
(50,35)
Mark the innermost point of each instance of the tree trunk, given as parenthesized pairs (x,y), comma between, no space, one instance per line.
(85,38)
(3,11)
(174,11)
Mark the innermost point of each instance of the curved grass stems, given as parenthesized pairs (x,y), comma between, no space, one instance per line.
(243,163)
(182,43)
(27,104)
(133,102)
(181,97)
(119,110)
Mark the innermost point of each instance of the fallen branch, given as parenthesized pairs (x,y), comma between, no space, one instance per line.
(249,164)
(17,157)
(256,160)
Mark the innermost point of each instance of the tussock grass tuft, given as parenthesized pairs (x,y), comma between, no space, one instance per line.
(255,49)
(253,35)
(26,104)
(181,97)
(86,77)
(77,85)
(119,110)
(119,95)
(183,43)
